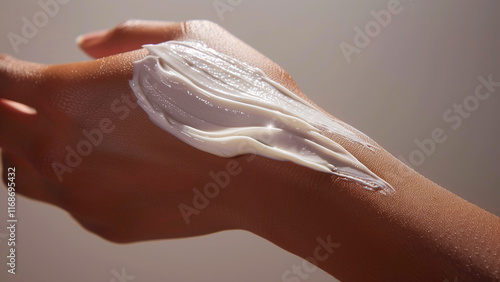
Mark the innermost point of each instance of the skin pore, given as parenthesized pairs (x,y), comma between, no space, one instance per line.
(421,233)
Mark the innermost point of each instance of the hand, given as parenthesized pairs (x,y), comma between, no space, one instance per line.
(92,151)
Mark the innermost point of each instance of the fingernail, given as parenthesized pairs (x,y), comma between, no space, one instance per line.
(90,38)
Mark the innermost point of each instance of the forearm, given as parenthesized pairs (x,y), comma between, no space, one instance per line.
(422,232)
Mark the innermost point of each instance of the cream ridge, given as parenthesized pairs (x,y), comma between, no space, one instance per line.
(226,107)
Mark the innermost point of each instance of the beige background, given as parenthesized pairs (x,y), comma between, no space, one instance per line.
(396,90)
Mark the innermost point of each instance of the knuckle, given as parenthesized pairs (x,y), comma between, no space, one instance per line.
(5,57)
(205,23)
(5,69)
(126,26)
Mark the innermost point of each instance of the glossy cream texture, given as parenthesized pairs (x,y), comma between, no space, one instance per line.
(226,107)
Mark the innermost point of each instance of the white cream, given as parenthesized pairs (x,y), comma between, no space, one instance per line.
(226,107)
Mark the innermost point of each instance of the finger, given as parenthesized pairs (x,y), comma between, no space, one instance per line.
(27,181)
(128,36)
(19,80)
(16,129)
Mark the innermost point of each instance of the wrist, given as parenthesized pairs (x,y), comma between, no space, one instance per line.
(387,237)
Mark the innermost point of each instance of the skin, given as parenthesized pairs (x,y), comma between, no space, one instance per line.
(129,187)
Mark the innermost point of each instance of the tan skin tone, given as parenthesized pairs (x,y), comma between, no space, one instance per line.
(129,188)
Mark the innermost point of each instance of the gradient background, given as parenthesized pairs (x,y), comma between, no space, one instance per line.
(396,90)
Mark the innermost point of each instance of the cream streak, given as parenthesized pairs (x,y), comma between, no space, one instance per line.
(226,107)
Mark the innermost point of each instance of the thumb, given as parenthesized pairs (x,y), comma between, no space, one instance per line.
(128,36)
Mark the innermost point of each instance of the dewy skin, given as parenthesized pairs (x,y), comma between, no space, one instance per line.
(226,107)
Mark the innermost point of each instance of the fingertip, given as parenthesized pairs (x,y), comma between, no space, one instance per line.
(128,36)
(90,42)
(87,39)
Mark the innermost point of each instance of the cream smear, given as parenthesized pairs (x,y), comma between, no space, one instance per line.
(226,107)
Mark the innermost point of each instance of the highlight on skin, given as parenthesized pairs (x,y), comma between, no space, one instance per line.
(226,107)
